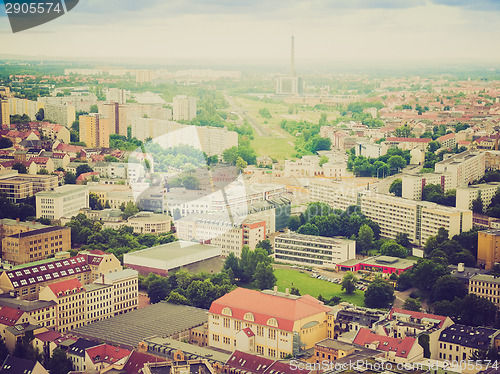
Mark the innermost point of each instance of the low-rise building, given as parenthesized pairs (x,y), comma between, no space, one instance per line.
(486,286)
(379,264)
(313,250)
(100,357)
(35,245)
(460,342)
(347,317)
(43,313)
(150,223)
(331,350)
(76,353)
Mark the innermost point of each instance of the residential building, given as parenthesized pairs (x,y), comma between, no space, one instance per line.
(40,182)
(184,108)
(55,131)
(331,350)
(94,130)
(45,343)
(396,350)
(467,194)
(459,342)
(371,150)
(465,167)
(98,302)
(277,322)
(347,317)
(117,95)
(4,112)
(405,144)
(125,289)
(418,219)
(11,317)
(70,298)
(16,190)
(76,353)
(43,313)
(15,365)
(486,286)
(117,116)
(35,245)
(63,115)
(312,250)
(413,184)
(115,195)
(400,323)
(102,356)
(64,201)
(244,362)
(10,227)
(488,244)
(163,258)
(219,231)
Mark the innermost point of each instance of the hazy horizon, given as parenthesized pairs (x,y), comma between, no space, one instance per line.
(337,31)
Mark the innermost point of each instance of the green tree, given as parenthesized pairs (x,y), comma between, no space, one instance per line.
(477,205)
(265,244)
(264,276)
(200,293)
(83,168)
(59,363)
(391,248)
(241,164)
(190,182)
(94,202)
(433,146)
(349,283)
(232,266)
(396,162)
(294,291)
(412,304)
(379,294)
(43,172)
(426,273)
(396,187)
(403,239)
(94,108)
(130,210)
(69,178)
(176,298)
(158,290)
(5,143)
(448,287)
(365,239)
(294,223)
(308,229)
(40,115)
(323,160)
(403,132)
(21,169)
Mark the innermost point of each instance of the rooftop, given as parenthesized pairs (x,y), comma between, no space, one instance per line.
(63,190)
(171,251)
(162,319)
(313,238)
(393,262)
(385,343)
(335,344)
(39,231)
(468,336)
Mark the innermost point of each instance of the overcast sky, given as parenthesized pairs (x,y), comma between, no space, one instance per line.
(325,30)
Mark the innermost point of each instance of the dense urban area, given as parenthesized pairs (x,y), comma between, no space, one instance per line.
(161,220)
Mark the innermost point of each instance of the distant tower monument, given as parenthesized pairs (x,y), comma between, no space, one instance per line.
(290,85)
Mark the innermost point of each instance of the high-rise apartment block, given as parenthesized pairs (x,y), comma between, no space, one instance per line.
(413,185)
(117,116)
(184,108)
(94,130)
(465,167)
(4,112)
(466,194)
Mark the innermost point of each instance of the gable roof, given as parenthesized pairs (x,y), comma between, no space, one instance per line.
(418,315)
(106,353)
(137,359)
(78,348)
(66,286)
(249,363)
(15,365)
(286,310)
(9,316)
(402,347)
(48,336)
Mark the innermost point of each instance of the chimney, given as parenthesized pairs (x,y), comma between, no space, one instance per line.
(287,291)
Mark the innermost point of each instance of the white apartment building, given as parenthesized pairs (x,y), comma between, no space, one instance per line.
(465,167)
(218,231)
(98,302)
(64,201)
(63,115)
(413,185)
(184,108)
(312,250)
(466,194)
(23,106)
(419,219)
(125,289)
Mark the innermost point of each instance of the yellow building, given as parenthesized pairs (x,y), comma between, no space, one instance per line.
(117,115)
(125,289)
(488,248)
(44,313)
(486,286)
(4,112)
(268,323)
(94,130)
(70,298)
(35,245)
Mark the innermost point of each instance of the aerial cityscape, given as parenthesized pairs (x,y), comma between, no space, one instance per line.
(250,187)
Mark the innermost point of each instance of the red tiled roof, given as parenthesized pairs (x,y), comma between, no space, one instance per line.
(69,285)
(445,137)
(48,336)
(106,353)
(137,360)
(402,347)
(31,275)
(69,148)
(248,331)
(410,140)
(84,176)
(265,306)
(39,160)
(9,316)
(418,315)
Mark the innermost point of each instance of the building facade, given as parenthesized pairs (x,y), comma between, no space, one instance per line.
(64,201)
(94,130)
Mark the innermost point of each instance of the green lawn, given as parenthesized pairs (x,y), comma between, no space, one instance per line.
(278,148)
(312,286)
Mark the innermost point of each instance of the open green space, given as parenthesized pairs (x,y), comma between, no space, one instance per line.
(314,287)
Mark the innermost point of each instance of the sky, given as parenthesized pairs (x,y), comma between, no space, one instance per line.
(260,30)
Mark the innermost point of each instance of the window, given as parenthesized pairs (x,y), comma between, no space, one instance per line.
(227,322)
(272,334)
(215,337)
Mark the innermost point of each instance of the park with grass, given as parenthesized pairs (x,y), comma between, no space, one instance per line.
(307,285)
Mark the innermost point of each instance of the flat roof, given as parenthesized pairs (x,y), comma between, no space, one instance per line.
(393,262)
(171,251)
(161,319)
(40,231)
(189,349)
(63,190)
(335,344)
(485,278)
(314,238)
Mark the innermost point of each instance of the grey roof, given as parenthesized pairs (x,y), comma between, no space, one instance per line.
(122,274)
(95,286)
(15,365)
(468,336)
(26,306)
(335,344)
(21,328)
(173,250)
(78,348)
(485,278)
(127,330)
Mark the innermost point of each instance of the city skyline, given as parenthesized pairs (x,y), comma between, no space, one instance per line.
(386,30)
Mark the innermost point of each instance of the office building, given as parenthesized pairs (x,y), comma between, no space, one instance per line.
(269,323)
(94,131)
(64,201)
(35,245)
(312,250)
(184,108)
